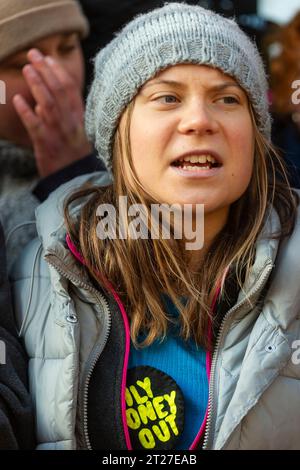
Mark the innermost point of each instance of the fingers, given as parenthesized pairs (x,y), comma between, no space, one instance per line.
(71,88)
(41,94)
(61,85)
(52,83)
(46,143)
(32,122)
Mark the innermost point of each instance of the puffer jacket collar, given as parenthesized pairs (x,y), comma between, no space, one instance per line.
(52,231)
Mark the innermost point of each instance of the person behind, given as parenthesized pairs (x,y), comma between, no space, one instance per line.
(16,411)
(42,137)
(284,59)
(137,340)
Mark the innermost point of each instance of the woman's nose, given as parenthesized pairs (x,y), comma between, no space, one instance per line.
(197,119)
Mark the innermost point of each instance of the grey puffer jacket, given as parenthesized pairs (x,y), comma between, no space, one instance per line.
(75,339)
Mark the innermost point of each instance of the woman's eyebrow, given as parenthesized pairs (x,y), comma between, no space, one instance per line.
(223,86)
(217,87)
(164,82)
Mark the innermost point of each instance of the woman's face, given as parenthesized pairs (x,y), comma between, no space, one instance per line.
(198,113)
(65,49)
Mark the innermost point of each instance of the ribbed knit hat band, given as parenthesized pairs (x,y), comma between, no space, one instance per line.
(24,21)
(174,34)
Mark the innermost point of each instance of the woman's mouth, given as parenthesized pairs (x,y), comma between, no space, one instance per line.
(200,162)
(196,165)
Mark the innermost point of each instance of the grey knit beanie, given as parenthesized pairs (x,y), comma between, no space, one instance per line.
(174,34)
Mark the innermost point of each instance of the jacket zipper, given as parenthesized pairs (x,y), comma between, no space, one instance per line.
(96,353)
(211,411)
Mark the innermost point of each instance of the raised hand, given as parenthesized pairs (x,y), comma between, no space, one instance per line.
(56,124)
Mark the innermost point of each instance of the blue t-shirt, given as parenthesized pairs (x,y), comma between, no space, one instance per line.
(185,363)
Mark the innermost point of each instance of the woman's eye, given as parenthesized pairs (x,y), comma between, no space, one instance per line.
(169,99)
(230,99)
(18,65)
(67,49)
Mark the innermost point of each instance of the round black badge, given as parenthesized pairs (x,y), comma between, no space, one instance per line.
(154,409)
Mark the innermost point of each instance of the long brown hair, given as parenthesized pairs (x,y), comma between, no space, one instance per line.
(142,270)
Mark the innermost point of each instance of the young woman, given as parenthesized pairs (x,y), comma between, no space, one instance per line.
(136,340)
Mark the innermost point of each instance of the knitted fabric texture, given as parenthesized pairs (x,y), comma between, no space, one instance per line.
(17,203)
(174,34)
(23,22)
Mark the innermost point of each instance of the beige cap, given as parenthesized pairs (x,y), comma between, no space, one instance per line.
(24,21)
